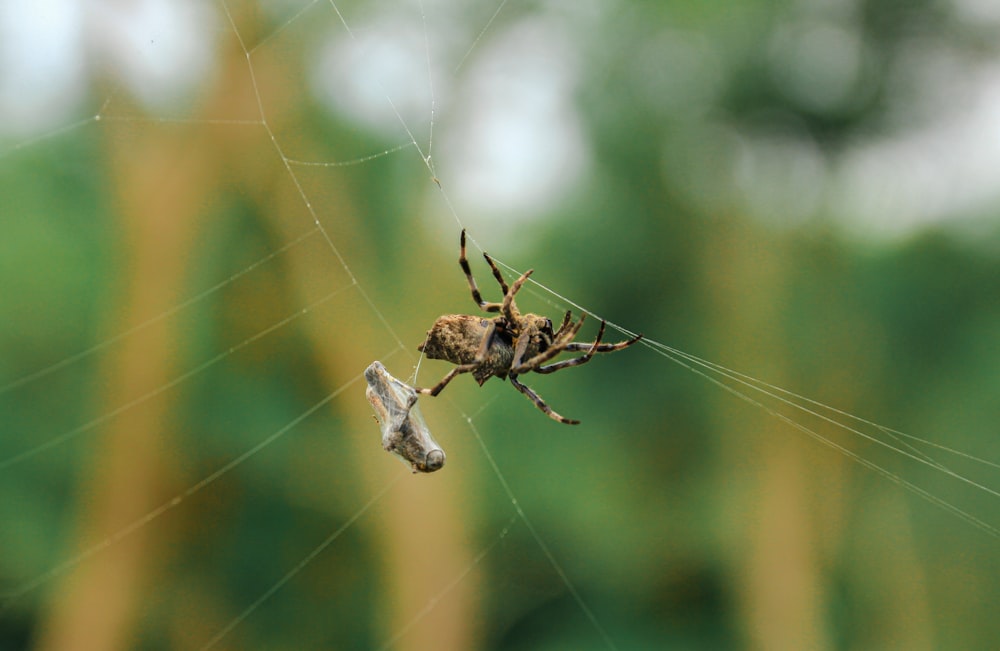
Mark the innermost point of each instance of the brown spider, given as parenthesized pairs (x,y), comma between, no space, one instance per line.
(507,345)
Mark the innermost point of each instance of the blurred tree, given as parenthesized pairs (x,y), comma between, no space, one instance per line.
(711,217)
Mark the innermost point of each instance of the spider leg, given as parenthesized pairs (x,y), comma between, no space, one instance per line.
(558,346)
(565,322)
(603,348)
(452,374)
(496,273)
(519,349)
(463,262)
(535,398)
(517,364)
(508,307)
(576,361)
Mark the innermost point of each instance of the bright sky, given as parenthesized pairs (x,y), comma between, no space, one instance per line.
(514,144)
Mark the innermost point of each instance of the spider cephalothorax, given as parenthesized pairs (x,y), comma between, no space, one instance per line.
(509,344)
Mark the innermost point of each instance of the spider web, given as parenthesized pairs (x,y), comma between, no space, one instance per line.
(303,273)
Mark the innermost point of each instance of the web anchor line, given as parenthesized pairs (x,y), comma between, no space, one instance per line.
(706,369)
(428,163)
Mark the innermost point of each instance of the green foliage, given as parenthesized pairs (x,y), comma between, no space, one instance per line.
(673,509)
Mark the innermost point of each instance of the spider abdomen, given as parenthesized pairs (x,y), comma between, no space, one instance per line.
(455,338)
(458,338)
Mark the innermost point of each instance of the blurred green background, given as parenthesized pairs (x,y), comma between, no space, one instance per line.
(805,192)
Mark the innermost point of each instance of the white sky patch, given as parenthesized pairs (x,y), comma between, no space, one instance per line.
(818,63)
(511,146)
(950,168)
(42,65)
(978,12)
(382,66)
(160,49)
(517,148)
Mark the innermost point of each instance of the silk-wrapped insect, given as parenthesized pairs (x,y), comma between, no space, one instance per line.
(403,430)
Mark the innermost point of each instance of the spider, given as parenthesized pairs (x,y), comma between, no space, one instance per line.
(510,344)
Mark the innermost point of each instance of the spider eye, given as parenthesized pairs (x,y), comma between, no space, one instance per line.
(548,324)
